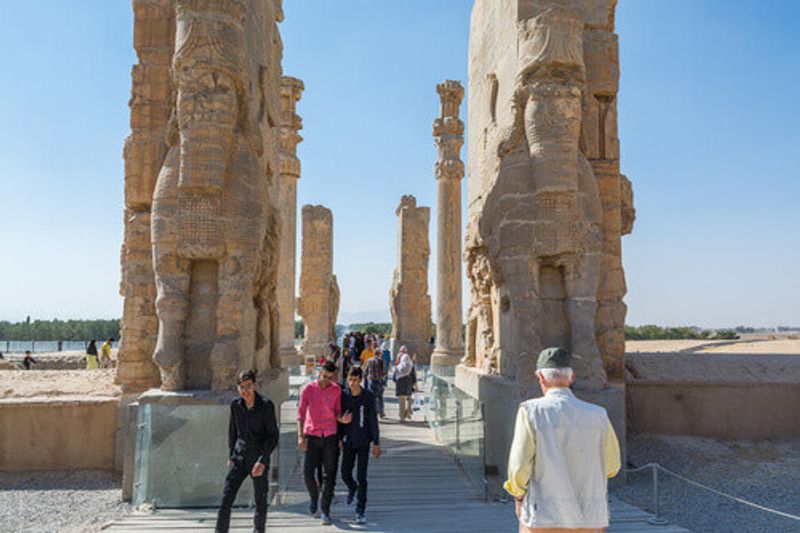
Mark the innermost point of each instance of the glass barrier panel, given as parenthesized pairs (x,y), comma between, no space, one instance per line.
(456,419)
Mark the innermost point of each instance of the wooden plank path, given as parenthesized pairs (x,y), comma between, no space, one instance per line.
(415,486)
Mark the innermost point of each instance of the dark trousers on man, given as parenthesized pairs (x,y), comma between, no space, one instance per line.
(358,457)
(376,388)
(233,481)
(325,451)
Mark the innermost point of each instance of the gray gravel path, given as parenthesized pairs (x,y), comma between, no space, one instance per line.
(763,472)
(80,501)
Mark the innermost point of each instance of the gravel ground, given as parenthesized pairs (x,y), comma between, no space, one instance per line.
(763,472)
(80,501)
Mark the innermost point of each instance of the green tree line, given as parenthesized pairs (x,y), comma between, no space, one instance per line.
(59,330)
(651,332)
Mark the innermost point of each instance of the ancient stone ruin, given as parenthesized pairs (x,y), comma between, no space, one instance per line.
(291,123)
(201,186)
(318,304)
(151,105)
(448,132)
(409,298)
(548,204)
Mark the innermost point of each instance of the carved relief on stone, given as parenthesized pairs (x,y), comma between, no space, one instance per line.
(542,248)
(214,227)
(318,304)
(291,123)
(448,132)
(410,302)
(144,151)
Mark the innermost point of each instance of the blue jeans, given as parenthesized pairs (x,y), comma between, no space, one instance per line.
(376,388)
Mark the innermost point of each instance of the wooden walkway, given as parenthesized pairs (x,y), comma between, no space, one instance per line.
(415,486)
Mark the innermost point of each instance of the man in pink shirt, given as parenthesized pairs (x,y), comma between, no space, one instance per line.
(319,411)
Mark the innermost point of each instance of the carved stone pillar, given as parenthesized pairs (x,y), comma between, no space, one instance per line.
(291,123)
(145,148)
(410,301)
(319,293)
(448,132)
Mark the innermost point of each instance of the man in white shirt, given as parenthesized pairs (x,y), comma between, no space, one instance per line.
(563,452)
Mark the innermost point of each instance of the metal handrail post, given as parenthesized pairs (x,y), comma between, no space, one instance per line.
(656,519)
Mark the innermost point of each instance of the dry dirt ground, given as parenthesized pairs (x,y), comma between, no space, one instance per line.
(746,345)
(51,383)
(71,501)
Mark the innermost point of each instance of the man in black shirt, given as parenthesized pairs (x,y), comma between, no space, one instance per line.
(355,439)
(28,360)
(252,435)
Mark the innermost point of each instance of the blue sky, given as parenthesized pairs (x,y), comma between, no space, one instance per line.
(708,120)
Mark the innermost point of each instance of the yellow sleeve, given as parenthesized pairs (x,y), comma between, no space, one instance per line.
(611,452)
(520,459)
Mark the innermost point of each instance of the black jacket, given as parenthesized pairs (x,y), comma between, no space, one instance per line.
(364,428)
(252,433)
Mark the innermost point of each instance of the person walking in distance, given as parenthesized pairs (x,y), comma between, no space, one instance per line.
(105,353)
(405,379)
(28,360)
(356,438)
(563,452)
(376,381)
(252,435)
(91,355)
(367,353)
(318,413)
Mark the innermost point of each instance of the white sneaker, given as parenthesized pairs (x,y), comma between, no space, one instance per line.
(361,519)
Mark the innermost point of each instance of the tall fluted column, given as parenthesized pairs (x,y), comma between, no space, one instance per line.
(291,123)
(448,132)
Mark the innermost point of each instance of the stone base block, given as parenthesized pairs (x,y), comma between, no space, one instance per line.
(501,398)
(181,445)
(290,356)
(446,359)
(57,433)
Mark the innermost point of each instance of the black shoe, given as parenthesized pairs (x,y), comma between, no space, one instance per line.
(350,495)
(312,508)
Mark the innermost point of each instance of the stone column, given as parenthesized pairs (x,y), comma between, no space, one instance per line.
(145,148)
(318,303)
(291,123)
(410,301)
(448,132)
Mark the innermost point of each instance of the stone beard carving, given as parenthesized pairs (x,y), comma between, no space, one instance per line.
(534,249)
(409,300)
(214,229)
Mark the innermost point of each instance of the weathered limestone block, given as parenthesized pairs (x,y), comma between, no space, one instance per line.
(291,123)
(318,304)
(200,167)
(409,299)
(144,151)
(448,132)
(547,204)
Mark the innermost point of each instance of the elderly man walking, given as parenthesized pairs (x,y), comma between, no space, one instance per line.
(563,452)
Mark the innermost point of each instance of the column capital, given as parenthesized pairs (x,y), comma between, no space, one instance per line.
(448,131)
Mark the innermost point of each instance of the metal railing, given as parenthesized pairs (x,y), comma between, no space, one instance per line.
(657,519)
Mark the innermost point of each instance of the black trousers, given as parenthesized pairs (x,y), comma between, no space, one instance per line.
(324,451)
(233,481)
(349,457)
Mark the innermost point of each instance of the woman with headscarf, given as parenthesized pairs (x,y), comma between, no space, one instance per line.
(405,378)
(91,355)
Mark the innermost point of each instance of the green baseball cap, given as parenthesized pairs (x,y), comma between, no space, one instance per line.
(553,358)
